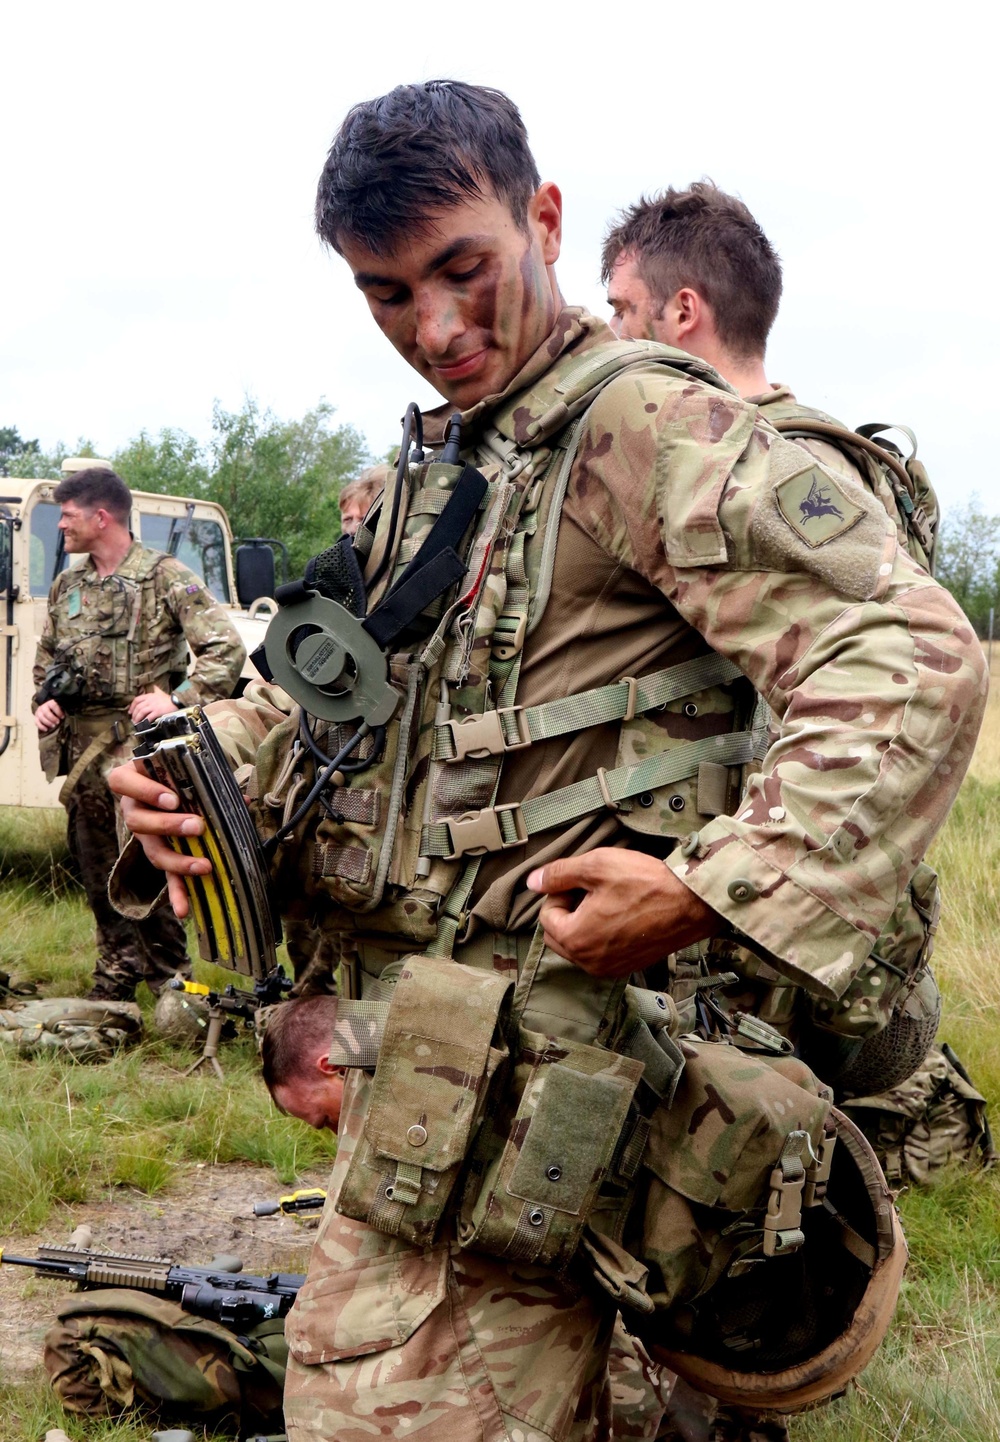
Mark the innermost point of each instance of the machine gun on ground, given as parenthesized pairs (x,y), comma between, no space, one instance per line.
(231,1001)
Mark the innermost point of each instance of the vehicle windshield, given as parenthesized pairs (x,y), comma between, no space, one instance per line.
(44,550)
(198,544)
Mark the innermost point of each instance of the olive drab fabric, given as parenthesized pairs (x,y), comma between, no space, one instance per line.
(115,1349)
(85,1030)
(632,559)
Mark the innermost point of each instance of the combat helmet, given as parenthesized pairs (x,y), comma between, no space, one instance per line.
(789,1332)
(180,1017)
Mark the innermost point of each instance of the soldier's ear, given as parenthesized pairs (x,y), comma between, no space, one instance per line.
(326,1066)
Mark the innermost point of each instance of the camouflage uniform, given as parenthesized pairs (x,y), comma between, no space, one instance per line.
(127,632)
(685,526)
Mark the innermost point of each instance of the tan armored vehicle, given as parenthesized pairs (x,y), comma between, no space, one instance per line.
(31,556)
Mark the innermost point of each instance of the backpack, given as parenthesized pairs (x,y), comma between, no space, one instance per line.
(901,482)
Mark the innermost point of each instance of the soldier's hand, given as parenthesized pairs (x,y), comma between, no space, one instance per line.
(151,705)
(612,912)
(149,810)
(48,716)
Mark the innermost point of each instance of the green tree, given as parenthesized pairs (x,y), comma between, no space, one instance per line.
(968,561)
(171,464)
(282,478)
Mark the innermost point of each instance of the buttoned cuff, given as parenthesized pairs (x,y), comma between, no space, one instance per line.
(806,941)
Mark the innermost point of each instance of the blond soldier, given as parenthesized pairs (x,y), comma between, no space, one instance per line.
(668,533)
(356,498)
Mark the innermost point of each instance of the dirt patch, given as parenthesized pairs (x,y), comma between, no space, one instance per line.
(208,1211)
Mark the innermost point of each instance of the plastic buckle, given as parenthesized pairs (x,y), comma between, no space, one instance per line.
(479,736)
(761,1034)
(478,832)
(507,644)
(783,1224)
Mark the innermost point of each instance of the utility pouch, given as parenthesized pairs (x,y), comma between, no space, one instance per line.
(53,751)
(442,1045)
(570,1104)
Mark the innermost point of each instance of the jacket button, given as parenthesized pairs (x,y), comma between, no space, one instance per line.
(742,890)
(416,1135)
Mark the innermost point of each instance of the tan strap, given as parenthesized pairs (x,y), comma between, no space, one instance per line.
(826,430)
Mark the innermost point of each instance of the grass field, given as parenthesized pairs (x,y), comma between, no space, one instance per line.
(70,1133)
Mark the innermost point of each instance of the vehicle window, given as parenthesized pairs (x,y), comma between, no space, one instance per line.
(199,544)
(43,547)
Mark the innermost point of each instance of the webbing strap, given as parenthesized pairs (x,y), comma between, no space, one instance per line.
(512,727)
(358,1033)
(495,828)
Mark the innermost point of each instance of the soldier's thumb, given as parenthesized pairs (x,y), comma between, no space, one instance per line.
(566,874)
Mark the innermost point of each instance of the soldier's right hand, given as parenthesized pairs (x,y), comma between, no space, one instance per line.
(48,715)
(149,810)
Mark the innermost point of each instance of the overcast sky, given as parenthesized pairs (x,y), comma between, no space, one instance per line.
(159,165)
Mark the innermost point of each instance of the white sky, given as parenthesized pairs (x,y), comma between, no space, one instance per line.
(158,165)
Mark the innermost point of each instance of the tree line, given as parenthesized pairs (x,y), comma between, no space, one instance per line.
(283,478)
(279,478)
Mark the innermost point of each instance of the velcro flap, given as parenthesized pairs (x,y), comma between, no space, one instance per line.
(434,1060)
(576,1123)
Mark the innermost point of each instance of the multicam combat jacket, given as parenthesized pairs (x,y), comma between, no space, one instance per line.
(689,525)
(133,629)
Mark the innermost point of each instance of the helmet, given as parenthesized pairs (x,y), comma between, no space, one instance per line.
(180,1017)
(788,1332)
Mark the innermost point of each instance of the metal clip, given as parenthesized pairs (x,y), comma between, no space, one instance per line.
(818,1173)
(479,736)
(478,832)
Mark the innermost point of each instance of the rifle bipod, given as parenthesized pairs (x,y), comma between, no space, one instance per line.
(210,1051)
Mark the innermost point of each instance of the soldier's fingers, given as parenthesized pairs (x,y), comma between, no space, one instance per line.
(129,781)
(144,821)
(177,894)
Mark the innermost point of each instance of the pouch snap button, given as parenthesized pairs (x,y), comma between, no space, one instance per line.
(553,1173)
(742,890)
(536,1218)
(676,803)
(690,709)
(416,1135)
(645,798)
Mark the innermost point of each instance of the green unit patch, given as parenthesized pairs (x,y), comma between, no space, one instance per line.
(73,606)
(817,507)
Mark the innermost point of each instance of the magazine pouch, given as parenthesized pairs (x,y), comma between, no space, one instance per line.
(570,1103)
(442,1045)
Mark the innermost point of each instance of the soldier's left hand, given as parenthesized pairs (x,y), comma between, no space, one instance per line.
(150,705)
(633,911)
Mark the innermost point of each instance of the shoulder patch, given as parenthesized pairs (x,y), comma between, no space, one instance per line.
(817,507)
(191,590)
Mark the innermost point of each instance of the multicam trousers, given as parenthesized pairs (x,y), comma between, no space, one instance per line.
(390,1340)
(127,951)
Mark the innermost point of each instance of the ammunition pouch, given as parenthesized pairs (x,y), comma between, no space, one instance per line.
(439,1044)
(533,1198)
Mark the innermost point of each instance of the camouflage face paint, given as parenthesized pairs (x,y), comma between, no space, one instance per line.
(466,302)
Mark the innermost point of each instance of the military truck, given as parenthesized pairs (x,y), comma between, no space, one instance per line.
(31,556)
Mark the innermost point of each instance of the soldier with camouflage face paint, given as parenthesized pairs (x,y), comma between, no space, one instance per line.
(664,538)
(120,625)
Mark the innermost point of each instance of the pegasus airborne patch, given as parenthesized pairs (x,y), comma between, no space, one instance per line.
(817,507)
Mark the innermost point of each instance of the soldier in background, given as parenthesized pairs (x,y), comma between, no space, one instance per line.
(113,652)
(357,496)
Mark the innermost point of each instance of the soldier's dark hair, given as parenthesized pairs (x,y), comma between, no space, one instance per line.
(99,489)
(294,1033)
(420,149)
(708,240)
